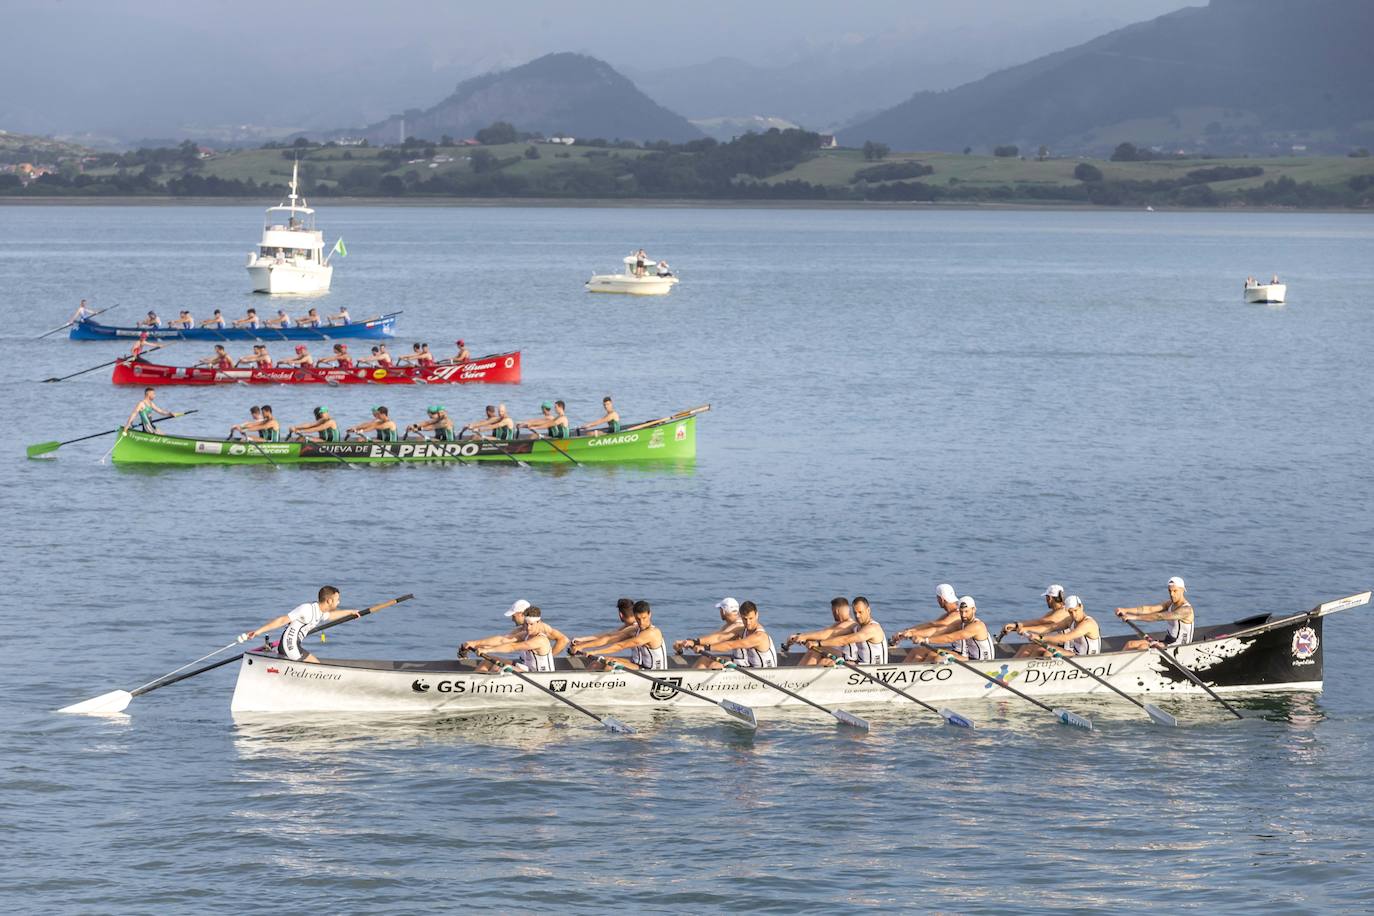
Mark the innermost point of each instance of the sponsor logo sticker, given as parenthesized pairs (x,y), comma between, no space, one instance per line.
(510,361)
(559,685)
(418,685)
(1305,643)
(210,448)
(681,433)
(656,440)
(237,449)
(274,671)
(1005,675)
(663,691)
(379,373)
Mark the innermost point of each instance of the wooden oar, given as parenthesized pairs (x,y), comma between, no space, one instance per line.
(1158,715)
(677,416)
(42,448)
(953,718)
(844,718)
(736,710)
(1182,669)
(610,723)
(119,700)
(1063,715)
(70,323)
(93,368)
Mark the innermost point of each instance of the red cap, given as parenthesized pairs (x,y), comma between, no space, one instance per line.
(300,348)
(460,343)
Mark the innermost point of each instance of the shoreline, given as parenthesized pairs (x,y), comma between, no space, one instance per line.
(642,203)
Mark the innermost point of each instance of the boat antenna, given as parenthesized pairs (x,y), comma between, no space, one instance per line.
(295,165)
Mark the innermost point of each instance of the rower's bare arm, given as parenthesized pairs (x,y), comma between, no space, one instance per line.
(272,624)
(757,641)
(558,641)
(1138,612)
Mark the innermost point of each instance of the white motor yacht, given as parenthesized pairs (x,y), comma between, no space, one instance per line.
(655,280)
(290,258)
(1256,291)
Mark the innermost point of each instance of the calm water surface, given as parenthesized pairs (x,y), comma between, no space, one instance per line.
(999,400)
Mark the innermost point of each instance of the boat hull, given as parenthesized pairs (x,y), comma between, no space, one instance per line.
(631,286)
(500,369)
(1267,293)
(287,279)
(674,440)
(1282,656)
(372,329)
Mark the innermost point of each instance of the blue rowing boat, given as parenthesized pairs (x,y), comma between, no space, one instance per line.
(372,329)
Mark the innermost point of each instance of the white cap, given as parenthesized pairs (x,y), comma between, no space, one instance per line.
(1175,580)
(967,601)
(518,607)
(1073,601)
(728,605)
(1054,591)
(945,592)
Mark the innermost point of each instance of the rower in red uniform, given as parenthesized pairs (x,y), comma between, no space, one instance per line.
(340,358)
(380,357)
(462,356)
(419,355)
(258,359)
(220,359)
(303,359)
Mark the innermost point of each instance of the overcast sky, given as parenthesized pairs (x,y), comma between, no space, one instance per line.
(91,60)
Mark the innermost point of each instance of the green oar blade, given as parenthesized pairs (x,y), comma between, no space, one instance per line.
(1160,716)
(740,712)
(1069,717)
(42,448)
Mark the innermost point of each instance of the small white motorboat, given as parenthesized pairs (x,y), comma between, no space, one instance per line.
(1255,291)
(290,257)
(653,279)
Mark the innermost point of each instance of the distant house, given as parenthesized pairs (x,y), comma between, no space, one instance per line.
(562,140)
(204,152)
(1299,148)
(349,141)
(469,142)
(828,141)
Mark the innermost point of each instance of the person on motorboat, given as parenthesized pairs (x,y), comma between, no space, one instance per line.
(1177,611)
(254,412)
(641,259)
(144,410)
(249,320)
(215,321)
(322,429)
(340,317)
(663,269)
(754,642)
(437,422)
(971,641)
(1081,636)
(865,634)
(1053,620)
(533,640)
(183,321)
(625,609)
(282,320)
(381,423)
(266,429)
(152,321)
(303,359)
(730,628)
(648,650)
(300,621)
(339,357)
(462,356)
(220,359)
(948,601)
(609,416)
(311,319)
(843,618)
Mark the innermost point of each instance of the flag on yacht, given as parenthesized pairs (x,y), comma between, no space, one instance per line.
(339,248)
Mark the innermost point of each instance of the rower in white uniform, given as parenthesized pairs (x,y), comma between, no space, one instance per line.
(625,608)
(730,628)
(753,648)
(1055,619)
(1177,611)
(1081,636)
(948,620)
(300,621)
(648,650)
(535,642)
(843,623)
(865,635)
(971,641)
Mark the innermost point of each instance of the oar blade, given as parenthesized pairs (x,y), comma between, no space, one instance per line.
(114,701)
(740,712)
(42,448)
(1069,717)
(1160,716)
(954,718)
(615,726)
(848,718)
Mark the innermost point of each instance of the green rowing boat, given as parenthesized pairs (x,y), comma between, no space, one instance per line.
(669,439)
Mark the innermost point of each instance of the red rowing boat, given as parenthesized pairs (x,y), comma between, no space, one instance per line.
(499,368)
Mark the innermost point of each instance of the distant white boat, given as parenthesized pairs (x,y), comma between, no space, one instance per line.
(656,279)
(1256,291)
(290,257)
(1149,209)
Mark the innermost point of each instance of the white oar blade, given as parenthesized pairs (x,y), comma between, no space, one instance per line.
(1072,718)
(742,713)
(114,701)
(953,718)
(615,726)
(853,721)
(1160,716)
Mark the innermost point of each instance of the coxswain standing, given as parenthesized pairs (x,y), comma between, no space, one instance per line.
(647,647)
(843,623)
(970,642)
(143,412)
(302,359)
(537,642)
(1054,619)
(381,423)
(753,648)
(730,628)
(609,416)
(865,634)
(438,422)
(322,429)
(1177,611)
(220,359)
(300,621)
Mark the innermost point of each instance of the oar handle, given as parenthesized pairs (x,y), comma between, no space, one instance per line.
(364,612)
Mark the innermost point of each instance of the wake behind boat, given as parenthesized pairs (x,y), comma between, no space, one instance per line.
(499,368)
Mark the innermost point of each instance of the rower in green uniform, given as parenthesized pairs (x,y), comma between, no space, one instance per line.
(544,423)
(381,423)
(438,422)
(502,428)
(143,413)
(323,429)
(610,417)
(559,430)
(267,429)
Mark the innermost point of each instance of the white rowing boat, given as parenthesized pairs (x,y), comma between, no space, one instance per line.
(1267,652)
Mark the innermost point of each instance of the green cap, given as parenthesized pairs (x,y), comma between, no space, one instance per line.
(433,409)
(547,405)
